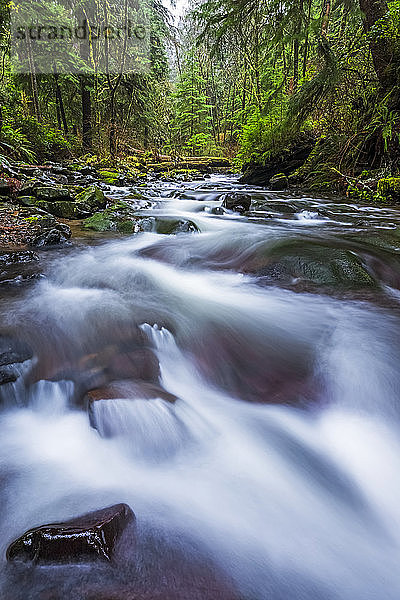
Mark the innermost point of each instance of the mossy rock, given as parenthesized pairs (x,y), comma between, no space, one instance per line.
(93,197)
(123,221)
(100,221)
(110,177)
(279,182)
(27,200)
(299,261)
(65,209)
(110,220)
(389,188)
(52,194)
(135,196)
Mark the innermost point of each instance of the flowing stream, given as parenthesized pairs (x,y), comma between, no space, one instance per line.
(275,473)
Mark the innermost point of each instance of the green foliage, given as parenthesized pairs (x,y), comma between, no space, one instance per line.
(47,141)
(16,143)
(191,126)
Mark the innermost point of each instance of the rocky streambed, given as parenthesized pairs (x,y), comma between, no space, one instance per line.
(198,391)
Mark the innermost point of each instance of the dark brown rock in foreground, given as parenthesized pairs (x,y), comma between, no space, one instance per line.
(89,537)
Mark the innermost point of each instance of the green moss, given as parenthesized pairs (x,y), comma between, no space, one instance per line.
(125,226)
(389,188)
(100,221)
(92,197)
(109,177)
(135,196)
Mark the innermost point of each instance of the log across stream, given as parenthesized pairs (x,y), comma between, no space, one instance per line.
(235,385)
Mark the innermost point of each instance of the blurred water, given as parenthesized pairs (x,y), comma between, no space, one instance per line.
(280,457)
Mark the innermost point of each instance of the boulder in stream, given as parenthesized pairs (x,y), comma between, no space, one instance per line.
(313,263)
(93,197)
(237,201)
(123,219)
(90,537)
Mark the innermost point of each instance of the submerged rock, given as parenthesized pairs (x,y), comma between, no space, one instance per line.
(237,201)
(297,261)
(130,390)
(16,267)
(90,537)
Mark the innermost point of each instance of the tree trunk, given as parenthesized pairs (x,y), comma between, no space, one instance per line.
(295,61)
(86,113)
(381,49)
(85,94)
(60,105)
(34,85)
(306,41)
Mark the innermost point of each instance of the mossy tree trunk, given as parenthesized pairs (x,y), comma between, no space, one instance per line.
(381,48)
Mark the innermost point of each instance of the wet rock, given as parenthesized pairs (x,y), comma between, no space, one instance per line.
(16,267)
(217,210)
(122,218)
(118,217)
(93,197)
(130,390)
(13,258)
(279,182)
(87,170)
(39,224)
(52,194)
(8,374)
(27,200)
(296,261)
(12,354)
(286,208)
(4,188)
(58,178)
(172,226)
(237,201)
(53,237)
(90,537)
(65,209)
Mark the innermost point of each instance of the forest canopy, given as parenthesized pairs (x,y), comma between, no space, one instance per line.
(246,79)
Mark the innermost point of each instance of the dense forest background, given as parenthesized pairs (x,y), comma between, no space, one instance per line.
(254,80)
